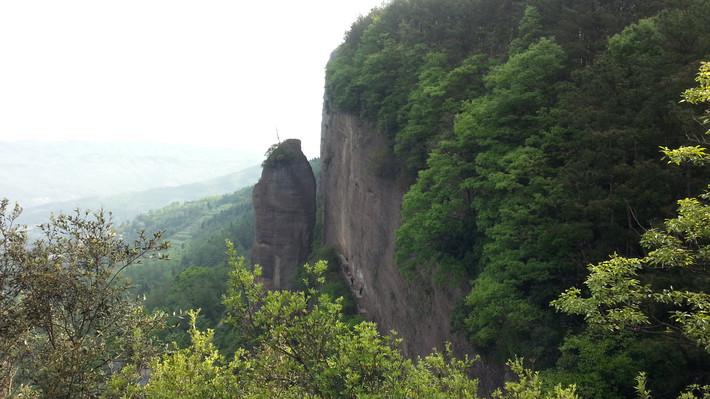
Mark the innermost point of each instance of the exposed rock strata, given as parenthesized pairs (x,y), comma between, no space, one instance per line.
(361,216)
(284,210)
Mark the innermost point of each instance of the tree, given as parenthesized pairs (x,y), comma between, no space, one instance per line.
(664,291)
(196,372)
(489,203)
(300,347)
(618,298)
(66,319)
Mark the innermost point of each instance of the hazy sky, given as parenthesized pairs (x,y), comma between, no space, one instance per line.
(207,72)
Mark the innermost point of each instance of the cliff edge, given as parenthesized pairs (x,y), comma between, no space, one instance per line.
(361,215)
(284,214)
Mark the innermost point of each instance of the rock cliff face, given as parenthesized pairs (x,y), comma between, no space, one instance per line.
(284,210)
(361,216)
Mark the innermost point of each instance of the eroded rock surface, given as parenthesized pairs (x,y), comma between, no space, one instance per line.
(285,211)
(361,216)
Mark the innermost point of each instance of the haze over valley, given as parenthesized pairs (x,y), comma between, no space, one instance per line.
(124,178)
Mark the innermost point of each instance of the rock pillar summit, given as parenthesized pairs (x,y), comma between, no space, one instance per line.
(285,214)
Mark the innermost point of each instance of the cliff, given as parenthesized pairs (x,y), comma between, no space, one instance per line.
(284,214)
(361,215)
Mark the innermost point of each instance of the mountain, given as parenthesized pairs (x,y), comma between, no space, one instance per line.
(126,206)
(37,173)
(477,155)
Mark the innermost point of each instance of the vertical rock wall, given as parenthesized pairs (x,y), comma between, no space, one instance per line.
(284,212)
(361,216)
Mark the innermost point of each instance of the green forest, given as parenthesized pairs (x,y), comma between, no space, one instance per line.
(533,147)
(195,275)
(555,154)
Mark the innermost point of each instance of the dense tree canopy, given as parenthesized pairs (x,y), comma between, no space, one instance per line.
(530,131)
(666,290)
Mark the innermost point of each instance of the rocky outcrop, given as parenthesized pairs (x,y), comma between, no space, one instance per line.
(284,211)
(361,215)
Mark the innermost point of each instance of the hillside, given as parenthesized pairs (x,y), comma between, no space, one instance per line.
(195,276)
(125,206)
(37,173)
(478,155)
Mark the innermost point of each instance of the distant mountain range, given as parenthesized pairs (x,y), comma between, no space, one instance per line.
(126,206)
(38,173)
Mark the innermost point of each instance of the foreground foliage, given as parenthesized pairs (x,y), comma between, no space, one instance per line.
(296,343)
(300,347)
(65,318)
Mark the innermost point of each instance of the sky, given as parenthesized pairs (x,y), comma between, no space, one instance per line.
(209,73)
